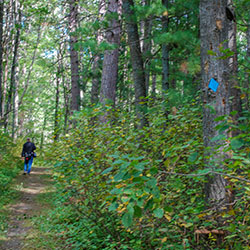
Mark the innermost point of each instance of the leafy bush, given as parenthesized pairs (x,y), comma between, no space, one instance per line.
(9,161)
(121,188)
(10,165)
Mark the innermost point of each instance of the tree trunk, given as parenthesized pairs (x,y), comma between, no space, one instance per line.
(4,91)
(247,87)
(56,126)
(137,62)
(44,127)
(13,83)
(147,46)
(153,93)
(21,123)
(96,83)
(7,48)
(165,51)
(96,80)
(26,85)
(74,58)
(1,55)
(110,62)
(66,101)
(15,104)
(66,105)
(214,35)
(233,66)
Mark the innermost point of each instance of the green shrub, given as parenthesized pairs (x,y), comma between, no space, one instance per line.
(122,188)
(10,165)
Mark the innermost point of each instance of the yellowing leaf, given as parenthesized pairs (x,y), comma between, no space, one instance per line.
(167,163)
(231,212)
(242,96)
(186,225)
(167,216)
(119,210)
(164,239)
(201,215)
(165,13)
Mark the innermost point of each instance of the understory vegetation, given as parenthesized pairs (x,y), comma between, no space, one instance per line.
(121,188)
(10,166)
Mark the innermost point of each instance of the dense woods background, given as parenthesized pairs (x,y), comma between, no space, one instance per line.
(116,96)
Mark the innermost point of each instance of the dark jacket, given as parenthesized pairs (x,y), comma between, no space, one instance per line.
(29,148)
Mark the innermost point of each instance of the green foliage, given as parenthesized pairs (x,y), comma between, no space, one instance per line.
(121,188)
(9,162)
(116,183)
(10,165)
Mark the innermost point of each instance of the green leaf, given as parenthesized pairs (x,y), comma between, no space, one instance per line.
(231,228)
(119,176)
(152,183)
(168,209)
(211,53)
(220,118)
(236,144)
(116,191)
(118,162)
(139,167)
(149,204)
(107,170)
(113,206)
(192,158)
(218,138)
(156,192)
(127,220)
(138,211)
(159,212)
(223,128)
(234,112)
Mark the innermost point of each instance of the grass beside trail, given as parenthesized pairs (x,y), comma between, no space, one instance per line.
(28,200)
(38,238)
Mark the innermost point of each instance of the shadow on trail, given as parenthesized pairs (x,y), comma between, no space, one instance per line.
(26,206)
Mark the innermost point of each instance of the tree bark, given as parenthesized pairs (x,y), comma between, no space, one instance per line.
(165,51)
(153,93)
(247,87)
(13,83)
(74,57)
(96,80)
(26,85)
(110,62)
(214,35)
(137,62)
(44,127)
(56,126)
(66,104)
(147,46)
(15,105)
(236,104)
(1,55)
(8,36)
(96,83)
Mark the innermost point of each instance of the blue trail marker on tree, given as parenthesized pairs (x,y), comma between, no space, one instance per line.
(213,85)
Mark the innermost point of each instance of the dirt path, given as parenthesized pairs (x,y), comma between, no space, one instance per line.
(26,206)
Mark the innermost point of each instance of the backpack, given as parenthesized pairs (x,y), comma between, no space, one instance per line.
(27,157)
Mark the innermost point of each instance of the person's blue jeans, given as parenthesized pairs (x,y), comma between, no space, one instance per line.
(27,166)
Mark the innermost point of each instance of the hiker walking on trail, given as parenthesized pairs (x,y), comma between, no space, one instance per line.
(28,154)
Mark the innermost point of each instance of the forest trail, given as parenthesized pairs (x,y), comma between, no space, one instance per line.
(27,206)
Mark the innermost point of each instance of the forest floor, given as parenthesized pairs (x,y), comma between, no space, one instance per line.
(31,190)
